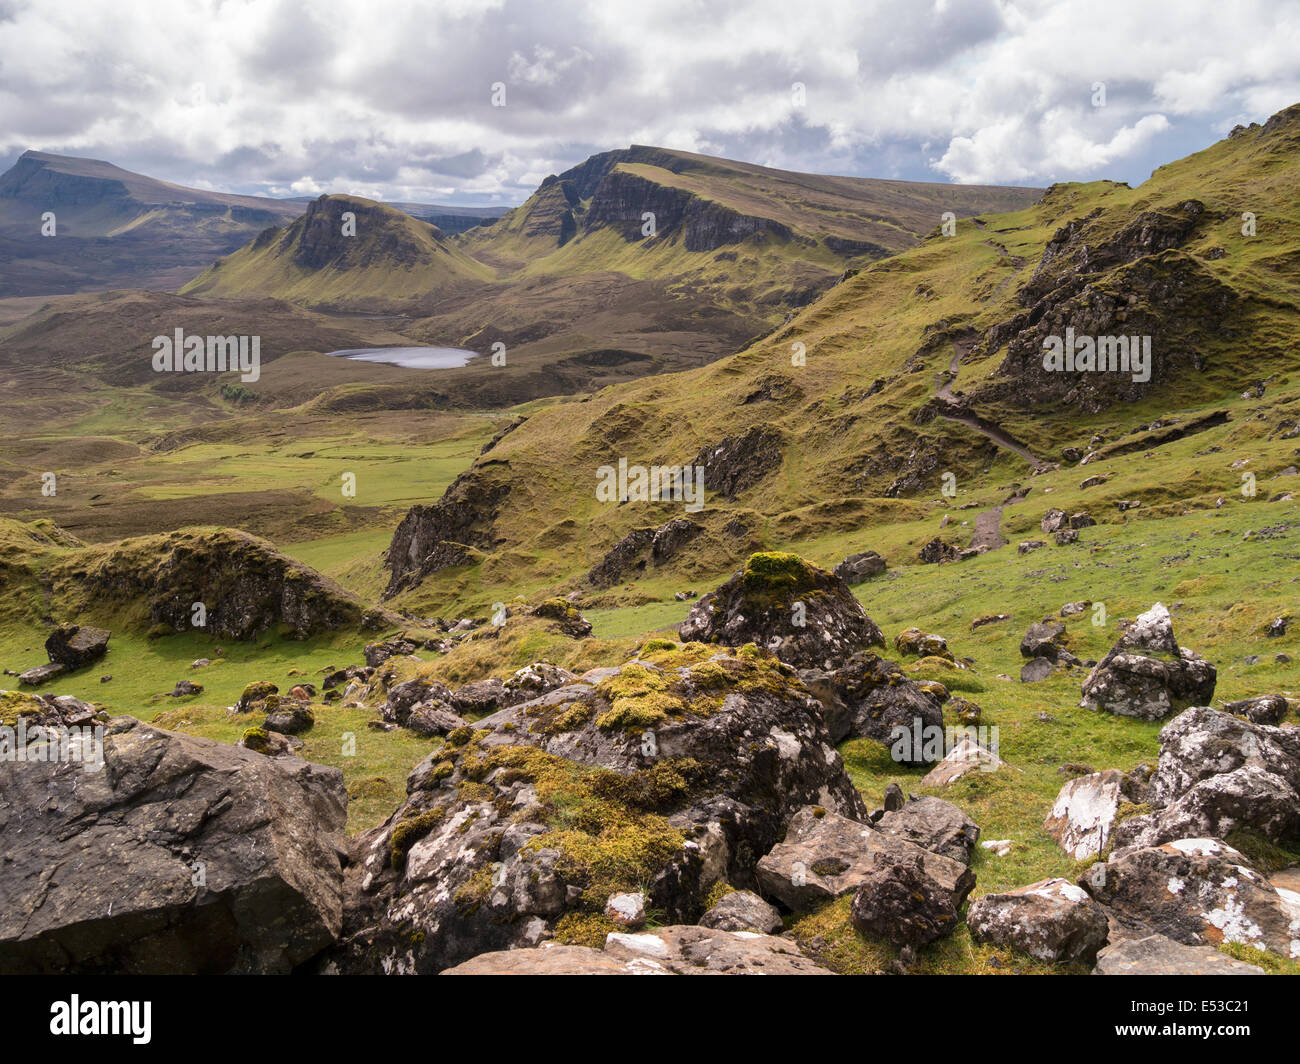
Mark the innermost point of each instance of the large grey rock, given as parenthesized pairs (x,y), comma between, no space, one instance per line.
(1158,955)
(1052,920)
(180,855)
(1198,892)
(1146,674)
(824,856)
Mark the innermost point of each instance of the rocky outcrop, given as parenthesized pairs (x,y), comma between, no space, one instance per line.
(642,549)
(804,615)
(221,860)
(432,538)
(1052,920)
(245,585)
(623,196)
(1146,674)
(739,462)
(672,775)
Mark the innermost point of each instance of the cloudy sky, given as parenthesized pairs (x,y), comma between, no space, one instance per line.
(394,98)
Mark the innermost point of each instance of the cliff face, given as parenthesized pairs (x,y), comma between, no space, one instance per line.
(382,236)
(622,198)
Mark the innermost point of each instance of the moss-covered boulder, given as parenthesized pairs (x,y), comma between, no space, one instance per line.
(803,614)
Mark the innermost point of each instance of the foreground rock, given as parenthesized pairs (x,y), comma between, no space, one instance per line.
(673,773)
(667,951)
(1197,892)
(1147,675)
(1218,773)
(825,856)
(1158,955)
(1052,920)
(212,859)
(804,615)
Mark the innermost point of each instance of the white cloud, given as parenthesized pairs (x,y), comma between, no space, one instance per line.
(394,95)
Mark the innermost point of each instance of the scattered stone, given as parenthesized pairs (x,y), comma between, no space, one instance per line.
(965,757)
(42,674)
(1053,521)
(1052,920)
(626,910)
(999,847)
(1028,545)
(1066,537)
(922,644)
(743,910)
(934,825)
(1082,520)
(1036,669)
(290,719)
(1070,609)
(255,694)
(1263,709)
(859,567)
(1276,628)
(184,688)
(989,618)
(936,552)
(900,902)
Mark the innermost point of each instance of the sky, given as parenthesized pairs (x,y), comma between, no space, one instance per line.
(398,99)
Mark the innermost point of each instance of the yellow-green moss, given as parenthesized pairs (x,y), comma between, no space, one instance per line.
(406,833)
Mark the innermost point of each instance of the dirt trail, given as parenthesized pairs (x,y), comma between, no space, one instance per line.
(956,411)
(988,523)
